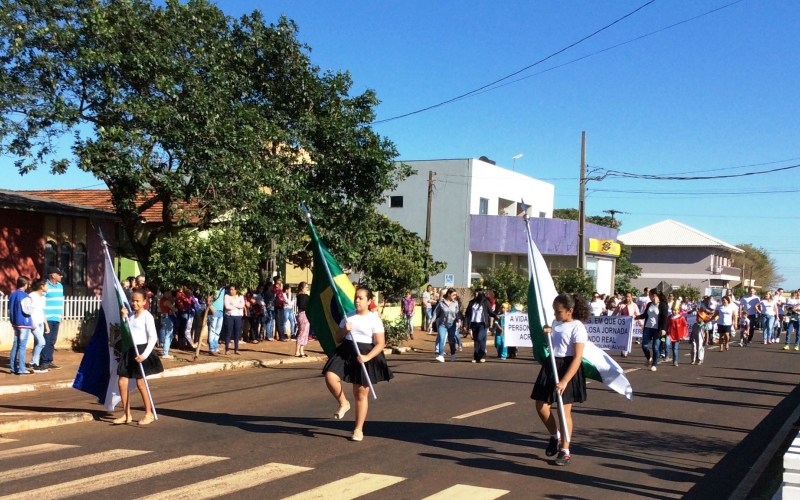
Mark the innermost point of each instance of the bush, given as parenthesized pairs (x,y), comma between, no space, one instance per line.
(689,293)
(507,283)
(396,332)
(574,281)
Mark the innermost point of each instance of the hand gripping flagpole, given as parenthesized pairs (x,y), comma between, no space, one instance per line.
(338,301)
(562,416)
(125,319)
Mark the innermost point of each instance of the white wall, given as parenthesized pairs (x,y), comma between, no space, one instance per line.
(493,182)
(459,186)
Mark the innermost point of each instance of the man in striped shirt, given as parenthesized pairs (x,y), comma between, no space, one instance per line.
(53,310)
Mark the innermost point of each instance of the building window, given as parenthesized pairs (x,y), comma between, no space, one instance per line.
(395,202)
(481,262)
(80,264)
(66,263)
(542,215)
(50,258)
(484,207)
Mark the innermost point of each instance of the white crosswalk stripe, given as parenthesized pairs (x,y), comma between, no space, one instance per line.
(33,450)
(112,479)
(349,487)
(67,464)
(214,488)
(461,491)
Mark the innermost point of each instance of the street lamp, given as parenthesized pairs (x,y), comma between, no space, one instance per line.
(514,164)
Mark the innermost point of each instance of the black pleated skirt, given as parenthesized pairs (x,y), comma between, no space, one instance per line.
(344,363)
(544,388)
(129,368)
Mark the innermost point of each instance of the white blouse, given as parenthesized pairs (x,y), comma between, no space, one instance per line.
(143,331)
(364,326)
(565,335)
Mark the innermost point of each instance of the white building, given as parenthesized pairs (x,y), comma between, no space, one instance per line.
(462,188)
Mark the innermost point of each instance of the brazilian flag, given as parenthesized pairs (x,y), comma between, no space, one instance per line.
(331,297)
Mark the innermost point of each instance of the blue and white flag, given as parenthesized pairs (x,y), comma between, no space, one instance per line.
(97,374)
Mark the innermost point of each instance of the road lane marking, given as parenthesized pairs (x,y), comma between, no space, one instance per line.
(478,412)
(112,479)
(348,488)
(6,440)
(629,370)
(229,484)
(33,450)
(67,464)
(460,491)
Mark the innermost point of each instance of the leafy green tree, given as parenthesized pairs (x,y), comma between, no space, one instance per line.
(209,118)
(625,272)
(507,283)
(573,214)
(574,281)
(566,213)
(758,264)
(204,261)
(688,292)
(396,260)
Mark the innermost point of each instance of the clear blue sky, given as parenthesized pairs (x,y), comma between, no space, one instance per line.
(716,93)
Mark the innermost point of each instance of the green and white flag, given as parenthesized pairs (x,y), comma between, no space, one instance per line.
(597,365)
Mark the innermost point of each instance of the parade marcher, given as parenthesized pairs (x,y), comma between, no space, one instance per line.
(444,319)
(698,337)
(748,308)
(780,301)
(479,310)
(677,329)
(303,326)
(366,329)
(144,335)
(768,310)
(597,306)
(655,318)
(627,307)
(726,318)
(793,312)
(744,330)
(568,339)
(20,312)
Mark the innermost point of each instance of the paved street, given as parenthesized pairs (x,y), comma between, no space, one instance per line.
(691,431)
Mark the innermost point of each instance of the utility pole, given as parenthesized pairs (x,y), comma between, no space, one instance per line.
(582,206)
(613,212)
(431,176)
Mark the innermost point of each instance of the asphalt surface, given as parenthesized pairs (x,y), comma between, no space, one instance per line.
(690,431)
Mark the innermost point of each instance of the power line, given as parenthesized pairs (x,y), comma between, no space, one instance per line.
(598,52)
(654,177)
(516,72)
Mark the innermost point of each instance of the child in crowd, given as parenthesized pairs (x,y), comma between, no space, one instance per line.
(744,329)
(698,336)
(499,328)
(676,330)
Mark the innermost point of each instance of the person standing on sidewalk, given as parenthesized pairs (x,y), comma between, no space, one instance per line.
(479,310)
(216,309)
(279,303)
(427,309)
(234,312)
(303,326)
(53,312)
(20,312)
(407,305)
(38,289)
(168,311)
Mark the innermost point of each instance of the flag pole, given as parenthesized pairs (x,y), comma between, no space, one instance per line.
(338,301)
(543,309)
(125,319)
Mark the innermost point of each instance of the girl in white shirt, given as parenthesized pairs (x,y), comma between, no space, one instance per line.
(144,335)
(568,336)
(726,318)
(40,326)
(345,364)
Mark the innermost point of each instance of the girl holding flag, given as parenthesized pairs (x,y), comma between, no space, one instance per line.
(568,338)
(144,335)
(366,329)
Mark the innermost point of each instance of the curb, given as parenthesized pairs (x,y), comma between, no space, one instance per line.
(42,420)
(213,367)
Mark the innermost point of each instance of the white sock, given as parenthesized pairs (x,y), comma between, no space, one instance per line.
(565,450)
(557,435)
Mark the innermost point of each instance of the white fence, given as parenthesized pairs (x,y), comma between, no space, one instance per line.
(75,308)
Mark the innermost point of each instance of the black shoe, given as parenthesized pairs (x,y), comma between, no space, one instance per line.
(796,424)
(39,369)
(51,366)
(552,447)
(562,459)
